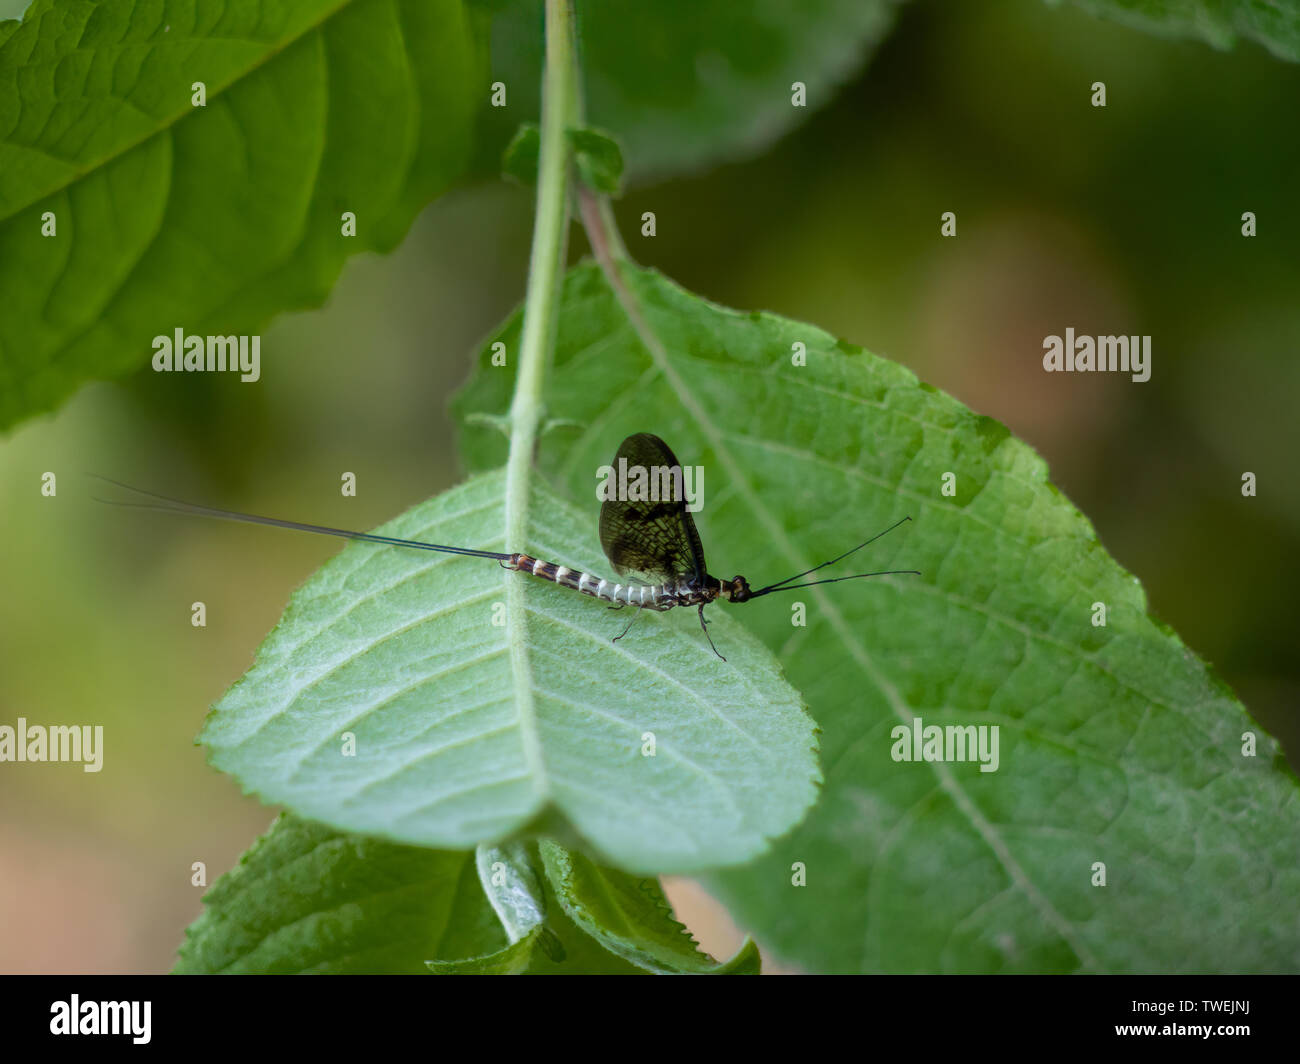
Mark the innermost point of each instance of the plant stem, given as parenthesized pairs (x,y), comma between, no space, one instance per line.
(546,265)
(541,309)
(602,229)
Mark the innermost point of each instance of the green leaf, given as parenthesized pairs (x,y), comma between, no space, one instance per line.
(520,159)
(305,898)
(547,941)
(612,923)
(1274,24)
(1117,744)
(513,886)
(564,948)
(687,83)
(597,155)
(515,892)
(599,160)
(389,701)
(513,959)
(631,917)
(209,219)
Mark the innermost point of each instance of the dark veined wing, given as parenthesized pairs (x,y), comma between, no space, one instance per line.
(646,531)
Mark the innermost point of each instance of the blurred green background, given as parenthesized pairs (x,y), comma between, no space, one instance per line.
(1117,220)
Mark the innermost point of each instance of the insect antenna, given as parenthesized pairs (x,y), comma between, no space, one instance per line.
(785,585)
(167,505)
(837,579)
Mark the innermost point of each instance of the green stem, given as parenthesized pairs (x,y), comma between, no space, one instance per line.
(602,230)
(546,266)
(541,311)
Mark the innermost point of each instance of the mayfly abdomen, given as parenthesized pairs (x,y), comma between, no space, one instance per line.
(652,598)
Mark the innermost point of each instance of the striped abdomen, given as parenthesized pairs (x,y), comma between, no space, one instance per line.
(659,597)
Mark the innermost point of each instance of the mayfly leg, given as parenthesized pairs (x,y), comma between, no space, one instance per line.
(705,625)
(635,617)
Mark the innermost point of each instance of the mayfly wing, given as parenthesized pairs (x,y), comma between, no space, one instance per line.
(652,539)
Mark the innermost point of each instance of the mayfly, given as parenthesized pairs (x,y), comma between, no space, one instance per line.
(652,541)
